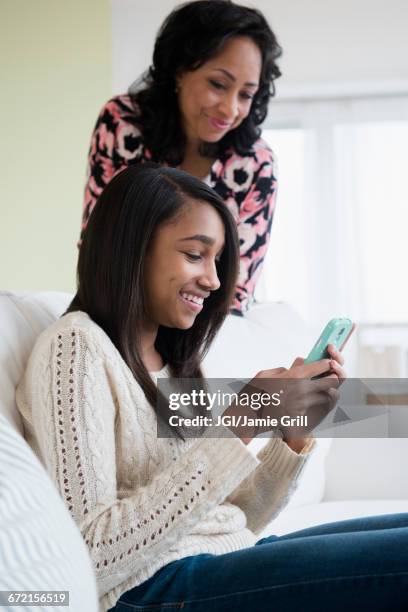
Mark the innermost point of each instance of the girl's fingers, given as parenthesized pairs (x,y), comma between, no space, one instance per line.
(277,371)
(335,354)
(338,370)
(311,369)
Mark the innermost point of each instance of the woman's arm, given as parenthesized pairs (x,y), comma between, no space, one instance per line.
(115,143)
(256,208)
(74,409)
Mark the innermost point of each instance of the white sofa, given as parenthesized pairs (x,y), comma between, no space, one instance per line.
(345,477)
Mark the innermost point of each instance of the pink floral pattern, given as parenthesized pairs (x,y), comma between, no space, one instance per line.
(247,184)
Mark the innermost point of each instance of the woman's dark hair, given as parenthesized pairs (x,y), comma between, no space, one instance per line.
(191,35)
(111,268)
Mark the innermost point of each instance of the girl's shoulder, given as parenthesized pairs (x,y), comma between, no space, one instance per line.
(76,331)
(71,329)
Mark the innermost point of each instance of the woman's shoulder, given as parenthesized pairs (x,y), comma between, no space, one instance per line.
(120,107)
(117,133)
(119,114)
(239,171)
(263,152)
(257,154)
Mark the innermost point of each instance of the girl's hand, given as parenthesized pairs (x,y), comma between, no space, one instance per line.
(303,396)
(336,363)
(305,399)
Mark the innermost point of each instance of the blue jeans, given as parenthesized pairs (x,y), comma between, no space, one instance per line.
(354,565)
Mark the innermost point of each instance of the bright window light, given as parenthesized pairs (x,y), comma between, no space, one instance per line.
(284,276)
(378,203)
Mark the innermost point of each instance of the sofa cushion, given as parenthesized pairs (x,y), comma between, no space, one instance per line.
(295,519)
(23,317)
(270,335)
(367,468)
(41,546)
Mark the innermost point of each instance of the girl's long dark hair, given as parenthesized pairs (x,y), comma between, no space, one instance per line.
(111,269)
(192,34)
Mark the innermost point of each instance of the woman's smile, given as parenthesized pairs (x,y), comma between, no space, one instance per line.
(218,124)
(216,97)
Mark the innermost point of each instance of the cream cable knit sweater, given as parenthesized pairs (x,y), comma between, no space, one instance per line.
(139,501)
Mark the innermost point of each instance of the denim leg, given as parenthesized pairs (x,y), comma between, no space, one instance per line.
(352,565)
(368,523)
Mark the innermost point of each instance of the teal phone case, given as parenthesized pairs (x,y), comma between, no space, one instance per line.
(336,332)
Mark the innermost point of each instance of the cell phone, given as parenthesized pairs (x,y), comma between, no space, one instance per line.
(336,332)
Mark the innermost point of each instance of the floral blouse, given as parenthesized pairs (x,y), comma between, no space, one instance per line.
(247,184)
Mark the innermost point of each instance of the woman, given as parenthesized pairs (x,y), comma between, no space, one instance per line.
(172,522)
(199,108)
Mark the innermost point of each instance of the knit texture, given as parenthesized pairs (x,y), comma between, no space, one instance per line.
(139,501)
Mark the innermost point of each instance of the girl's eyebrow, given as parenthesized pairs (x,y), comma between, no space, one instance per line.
(232,78)
(200,237)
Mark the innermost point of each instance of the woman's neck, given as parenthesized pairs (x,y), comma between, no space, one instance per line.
(194,163)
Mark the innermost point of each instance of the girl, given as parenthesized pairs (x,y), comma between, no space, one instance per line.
(171,522)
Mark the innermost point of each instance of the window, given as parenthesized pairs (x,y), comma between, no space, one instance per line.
(285,274)
(338,244)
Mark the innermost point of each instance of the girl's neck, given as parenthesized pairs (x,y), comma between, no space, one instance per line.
(150,356)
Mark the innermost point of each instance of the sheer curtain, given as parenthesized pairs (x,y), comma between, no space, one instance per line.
(338,244)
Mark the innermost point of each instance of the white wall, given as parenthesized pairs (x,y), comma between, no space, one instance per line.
(55,64)
(58,67)
(330,46)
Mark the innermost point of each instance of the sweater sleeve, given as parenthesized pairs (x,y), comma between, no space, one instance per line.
(74,419)
(267,490)
(115,143)
(256,207)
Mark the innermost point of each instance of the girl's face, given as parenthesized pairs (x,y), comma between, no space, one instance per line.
(181,266)
(217,97)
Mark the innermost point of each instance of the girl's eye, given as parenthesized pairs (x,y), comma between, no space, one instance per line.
(246,96)
(192,256)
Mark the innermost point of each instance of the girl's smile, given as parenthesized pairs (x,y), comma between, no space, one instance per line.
(181,266)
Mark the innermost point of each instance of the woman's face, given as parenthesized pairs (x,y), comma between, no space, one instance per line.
(217,97)
(181,266)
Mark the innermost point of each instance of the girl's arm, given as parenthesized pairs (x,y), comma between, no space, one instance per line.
(74,410)
(267,490)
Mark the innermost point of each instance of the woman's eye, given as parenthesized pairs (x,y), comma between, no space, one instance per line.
(217,85)
(192,256)
(246,96)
